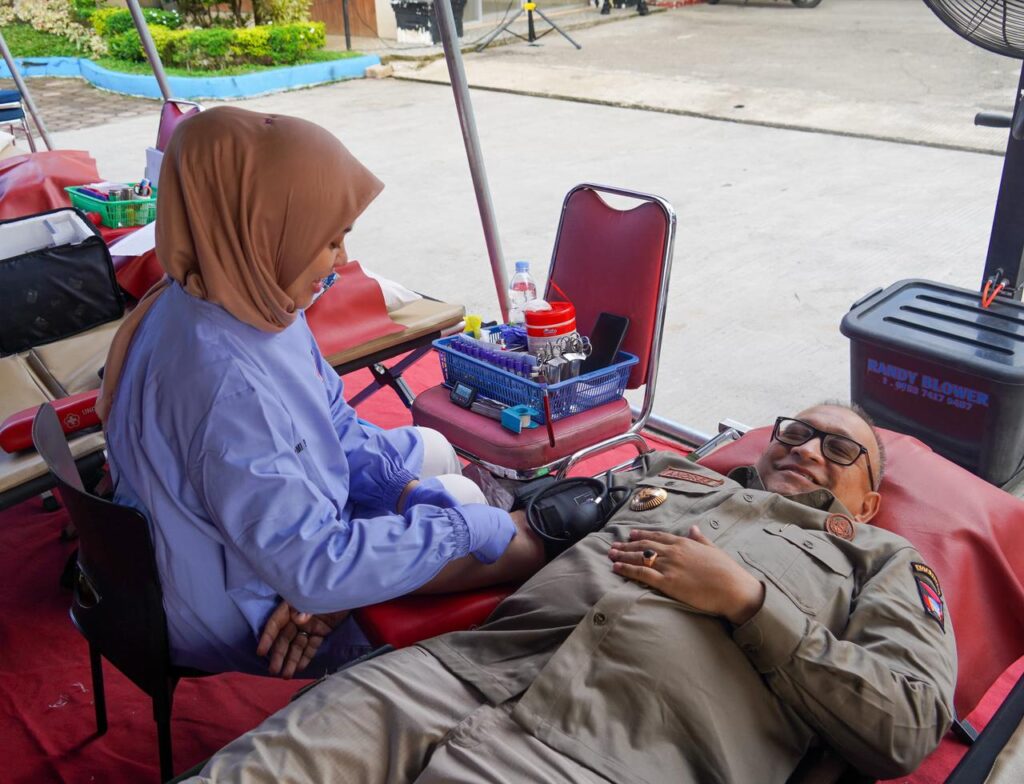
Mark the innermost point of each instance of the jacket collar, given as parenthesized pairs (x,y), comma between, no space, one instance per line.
(816,499)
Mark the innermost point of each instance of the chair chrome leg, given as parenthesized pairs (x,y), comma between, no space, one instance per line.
(99,697)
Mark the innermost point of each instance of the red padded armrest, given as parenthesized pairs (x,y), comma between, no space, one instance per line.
(76,412)
(408,620)
(970,532)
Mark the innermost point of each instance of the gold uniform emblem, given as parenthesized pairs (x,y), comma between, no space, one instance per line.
(647,498)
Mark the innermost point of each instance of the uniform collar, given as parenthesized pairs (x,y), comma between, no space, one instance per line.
(816,499)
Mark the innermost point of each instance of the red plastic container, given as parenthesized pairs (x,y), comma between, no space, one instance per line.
(544,325)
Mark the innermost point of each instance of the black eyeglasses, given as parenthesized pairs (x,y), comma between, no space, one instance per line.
(836,448)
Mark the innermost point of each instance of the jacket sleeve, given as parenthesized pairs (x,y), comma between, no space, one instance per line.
(881,693)
(382,462)
(259,497)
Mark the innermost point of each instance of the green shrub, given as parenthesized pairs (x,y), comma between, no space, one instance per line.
(99,19)
(166,42)
(126,46)
(288,43)
(57,17)
(112,22)
(204,49)
(82,10)
(157,16)
(251,44)
(217,47)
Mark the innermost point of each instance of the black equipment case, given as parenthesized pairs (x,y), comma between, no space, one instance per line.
(56,279)
(927,360)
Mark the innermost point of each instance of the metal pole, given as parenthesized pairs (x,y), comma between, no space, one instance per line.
(674,430)
(25,94)
(150,47)
(464,106)
(344,19)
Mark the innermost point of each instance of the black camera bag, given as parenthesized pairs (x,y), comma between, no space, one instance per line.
(55,292)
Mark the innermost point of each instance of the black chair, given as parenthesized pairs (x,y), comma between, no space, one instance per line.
(117,603)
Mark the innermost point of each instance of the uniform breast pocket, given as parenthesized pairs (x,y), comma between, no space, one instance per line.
(803,564)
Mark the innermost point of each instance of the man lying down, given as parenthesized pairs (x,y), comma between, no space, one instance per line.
(716,629)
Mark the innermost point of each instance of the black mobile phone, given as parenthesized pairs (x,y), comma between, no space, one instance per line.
(605,339)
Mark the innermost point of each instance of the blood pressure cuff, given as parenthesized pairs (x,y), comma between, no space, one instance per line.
(563,511)
(56,279)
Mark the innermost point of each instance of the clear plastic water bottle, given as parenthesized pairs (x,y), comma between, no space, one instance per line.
(521,289)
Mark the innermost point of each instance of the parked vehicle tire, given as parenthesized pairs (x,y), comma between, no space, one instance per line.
(800,3)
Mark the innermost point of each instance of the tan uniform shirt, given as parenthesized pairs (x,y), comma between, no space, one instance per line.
(639,687)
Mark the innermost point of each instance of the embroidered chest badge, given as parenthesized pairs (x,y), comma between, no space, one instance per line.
(930,591)
(690,476)
(840,525)
(647,498)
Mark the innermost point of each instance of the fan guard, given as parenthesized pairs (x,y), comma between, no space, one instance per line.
(996,25)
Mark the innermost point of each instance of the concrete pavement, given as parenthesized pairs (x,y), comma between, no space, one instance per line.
(883,69)
(779,230)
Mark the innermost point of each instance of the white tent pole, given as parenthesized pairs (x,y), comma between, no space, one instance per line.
(150,49)
(25,94)
(464,106)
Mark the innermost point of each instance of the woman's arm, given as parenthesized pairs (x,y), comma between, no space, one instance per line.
(257,494)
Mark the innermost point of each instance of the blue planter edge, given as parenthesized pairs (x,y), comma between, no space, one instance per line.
(244,86)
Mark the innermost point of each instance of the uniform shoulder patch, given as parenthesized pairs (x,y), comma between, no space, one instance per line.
(690,476)
(930,591)
(840,525)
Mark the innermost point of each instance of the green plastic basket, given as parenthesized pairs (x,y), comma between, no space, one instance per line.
(116,214)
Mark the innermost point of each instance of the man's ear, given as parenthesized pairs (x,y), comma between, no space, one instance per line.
(869,508)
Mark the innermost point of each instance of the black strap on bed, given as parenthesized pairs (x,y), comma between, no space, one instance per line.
(977,762)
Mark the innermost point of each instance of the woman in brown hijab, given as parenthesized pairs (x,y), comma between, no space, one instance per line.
(225,425)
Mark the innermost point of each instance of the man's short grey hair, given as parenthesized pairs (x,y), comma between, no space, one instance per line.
(866,417)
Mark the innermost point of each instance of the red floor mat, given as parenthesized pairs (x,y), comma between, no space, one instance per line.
(47,720)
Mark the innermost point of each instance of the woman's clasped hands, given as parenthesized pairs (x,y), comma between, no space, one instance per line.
(291,638)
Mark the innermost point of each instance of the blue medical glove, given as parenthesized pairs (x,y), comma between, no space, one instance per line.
(490,530)
(430,491)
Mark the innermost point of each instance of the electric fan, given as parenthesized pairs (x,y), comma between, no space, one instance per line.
(998,25)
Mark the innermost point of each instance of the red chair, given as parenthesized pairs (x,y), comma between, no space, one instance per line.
(605,259)
(171,114)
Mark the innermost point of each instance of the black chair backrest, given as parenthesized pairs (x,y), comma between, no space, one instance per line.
(117,602)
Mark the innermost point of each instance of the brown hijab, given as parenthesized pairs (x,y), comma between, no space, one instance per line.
(247,201)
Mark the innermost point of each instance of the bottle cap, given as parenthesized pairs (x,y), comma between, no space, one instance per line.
(522,266)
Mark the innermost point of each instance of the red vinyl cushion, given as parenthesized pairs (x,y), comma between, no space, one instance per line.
(610,260)
(970,532)
(408,620)
(350,313)
(75,412)
(488,440)
(35,182)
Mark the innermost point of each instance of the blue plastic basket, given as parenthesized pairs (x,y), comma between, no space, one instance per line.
(567,397)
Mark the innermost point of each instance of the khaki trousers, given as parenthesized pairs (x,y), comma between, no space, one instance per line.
(401,717)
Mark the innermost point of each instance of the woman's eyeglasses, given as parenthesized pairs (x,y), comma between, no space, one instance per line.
(836,448)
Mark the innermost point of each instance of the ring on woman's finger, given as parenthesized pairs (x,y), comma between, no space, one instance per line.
(303,634)
(649,557)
